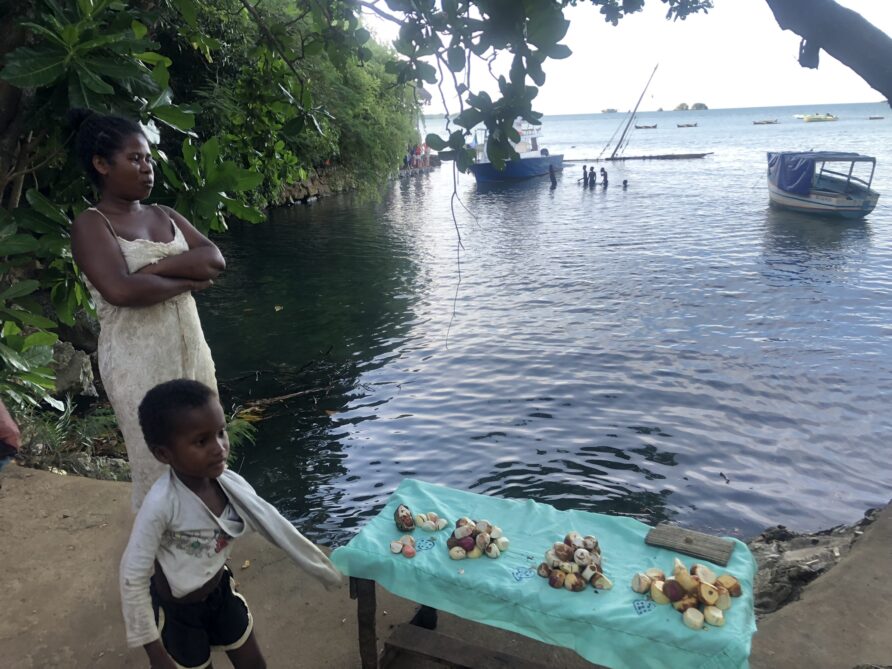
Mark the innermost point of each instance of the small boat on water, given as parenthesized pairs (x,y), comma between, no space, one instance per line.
(609,110)
(875,118)
(532,161)
(799,116)
(803,182)
(621,144)
(686,125)
(767,122)
(815,118)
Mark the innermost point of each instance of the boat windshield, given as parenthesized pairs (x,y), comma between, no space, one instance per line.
(859,172)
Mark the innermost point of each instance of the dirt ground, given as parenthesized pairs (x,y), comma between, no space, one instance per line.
(62,537)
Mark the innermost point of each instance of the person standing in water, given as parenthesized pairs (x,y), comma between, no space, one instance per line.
(585,176)
(142,263)
(552,176)
(604,177)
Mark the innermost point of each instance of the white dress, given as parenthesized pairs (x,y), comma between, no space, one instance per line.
(140,347)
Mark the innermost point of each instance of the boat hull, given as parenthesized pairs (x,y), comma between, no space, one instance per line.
(515,170)
(838,206)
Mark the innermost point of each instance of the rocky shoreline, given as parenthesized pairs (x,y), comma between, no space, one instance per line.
(788,561)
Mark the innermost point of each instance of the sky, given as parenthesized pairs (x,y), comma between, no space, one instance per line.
(735,56)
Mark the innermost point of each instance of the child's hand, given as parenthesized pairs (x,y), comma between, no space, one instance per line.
(158,657)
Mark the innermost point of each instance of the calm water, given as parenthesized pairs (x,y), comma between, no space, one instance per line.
(677,350)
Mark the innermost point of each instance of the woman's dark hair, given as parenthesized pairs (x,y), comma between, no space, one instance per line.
(99,135)
(162,406)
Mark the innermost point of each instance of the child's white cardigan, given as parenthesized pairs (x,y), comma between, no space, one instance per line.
(171,506)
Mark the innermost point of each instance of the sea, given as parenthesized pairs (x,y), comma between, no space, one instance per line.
(676,350)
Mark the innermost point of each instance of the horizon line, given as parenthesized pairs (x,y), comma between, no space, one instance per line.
(656,111)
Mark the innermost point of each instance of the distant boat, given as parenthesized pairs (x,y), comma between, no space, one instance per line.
(686,125)
(533,160)
(801,181)
(771,122)
(875,118)
(609,110)
(621,143)
(799,116)
(815,118)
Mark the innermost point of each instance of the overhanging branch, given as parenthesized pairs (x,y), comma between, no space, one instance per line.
(842,33)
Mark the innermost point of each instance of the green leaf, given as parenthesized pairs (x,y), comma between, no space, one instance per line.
(188,10)
(85,7)
(362,36)
(58,405)
(190,157)
(455,56)
(241,211)
(117,68)
(79,95)
(426,72)
(29,318)
(230,177)
(293,128)
(153,58)
(40,339)
(44,32)
(20,289)
(45,207)
(436,142)
(92,80)
(469,118)
(139,30)
(559,51)
(160,75)
(9,330)
(28,67)
(210,152)
(171,175)
(175,117)
(13,359)
(18,244)
(456,139)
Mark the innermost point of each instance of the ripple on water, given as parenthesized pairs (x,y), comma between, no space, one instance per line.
(677,350)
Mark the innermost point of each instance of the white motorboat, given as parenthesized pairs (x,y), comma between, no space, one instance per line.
(803,181)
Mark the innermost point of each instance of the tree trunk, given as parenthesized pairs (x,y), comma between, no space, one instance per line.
(844,34)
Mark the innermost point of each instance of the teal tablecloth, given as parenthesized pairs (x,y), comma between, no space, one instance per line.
(617,628)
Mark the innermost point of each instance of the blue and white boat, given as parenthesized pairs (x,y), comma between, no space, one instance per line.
(533,160)
(804,181)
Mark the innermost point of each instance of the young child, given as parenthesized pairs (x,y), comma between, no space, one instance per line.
(184,533)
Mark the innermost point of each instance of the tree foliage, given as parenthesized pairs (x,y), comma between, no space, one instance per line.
(240,96)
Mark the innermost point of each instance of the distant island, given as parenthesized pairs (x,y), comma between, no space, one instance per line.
(697,106)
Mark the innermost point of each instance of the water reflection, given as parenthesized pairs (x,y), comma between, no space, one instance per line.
(302,294)
(626,352)
(802,247)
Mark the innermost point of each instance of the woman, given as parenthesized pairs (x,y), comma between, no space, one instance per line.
(142,263)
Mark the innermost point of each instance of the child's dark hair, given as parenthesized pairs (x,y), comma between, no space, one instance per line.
(165,403)
(99,135)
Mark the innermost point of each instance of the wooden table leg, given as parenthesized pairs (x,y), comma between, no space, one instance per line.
(363,591)
(425,617)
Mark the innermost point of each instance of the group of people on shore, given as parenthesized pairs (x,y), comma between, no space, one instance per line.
(141,264)
(417,155)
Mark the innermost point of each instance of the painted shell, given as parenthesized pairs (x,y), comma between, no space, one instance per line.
(403,518)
